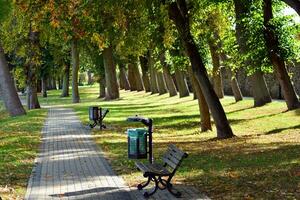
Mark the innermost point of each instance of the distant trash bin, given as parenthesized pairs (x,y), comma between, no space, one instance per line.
(93,113)
(137,143)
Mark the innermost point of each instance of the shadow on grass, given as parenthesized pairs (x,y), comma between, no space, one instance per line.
(220,168)
(275,131)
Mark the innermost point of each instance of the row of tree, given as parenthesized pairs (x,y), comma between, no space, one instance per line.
(153,45)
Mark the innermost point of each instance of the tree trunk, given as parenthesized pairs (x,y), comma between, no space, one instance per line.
(131,77)
(233,81)
(138,78)
(32,98)
(260,90)
(178,12)
(59,82)
(217,77)
(277,60)
(66,81)
(53,81)
(102,87)
(39,86)
(169,81)
(203,107)
(75,70)
(123,77)
(295,4)
(145,73)
(90,78)
(181,83)
(153,78)
(110,75)
(7,87)
(235,87)
(44,87)
(168,77)
(162,88)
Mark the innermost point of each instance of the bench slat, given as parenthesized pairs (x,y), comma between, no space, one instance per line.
(175,149)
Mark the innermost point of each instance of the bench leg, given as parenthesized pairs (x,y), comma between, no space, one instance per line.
(93,125)
(141,186)
(148,194)
(176,194)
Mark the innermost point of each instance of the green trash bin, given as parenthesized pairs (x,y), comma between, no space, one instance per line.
(137,143)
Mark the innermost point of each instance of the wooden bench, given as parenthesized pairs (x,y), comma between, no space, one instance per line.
(162,174)
(99,119)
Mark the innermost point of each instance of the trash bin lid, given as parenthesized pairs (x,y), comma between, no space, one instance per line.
(141,130)
(136,132)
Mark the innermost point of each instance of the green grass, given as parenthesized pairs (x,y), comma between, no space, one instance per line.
(19,142)
(262,162)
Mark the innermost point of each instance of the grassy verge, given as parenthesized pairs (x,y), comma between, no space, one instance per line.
(19,142)
(262,162)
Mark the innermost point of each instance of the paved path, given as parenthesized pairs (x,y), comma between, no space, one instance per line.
(71,166)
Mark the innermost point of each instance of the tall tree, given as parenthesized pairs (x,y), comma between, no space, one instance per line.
(277,60)
(123,77)
(75,70)
(178,12)
(7,86)
(259,88)
(145,73)
(110,75)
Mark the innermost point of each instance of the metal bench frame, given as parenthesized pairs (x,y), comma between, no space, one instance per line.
(155,172)
(102,113)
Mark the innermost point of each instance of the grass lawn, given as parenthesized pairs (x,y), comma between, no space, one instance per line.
(19,142)
(262,162)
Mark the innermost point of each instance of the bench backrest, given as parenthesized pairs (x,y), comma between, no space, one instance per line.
(173,157)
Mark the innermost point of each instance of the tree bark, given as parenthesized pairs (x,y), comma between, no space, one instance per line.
(233,80)
(138,78)
(53,82)
(217,76)
(178,12)
(123,77)
(235,87)
(75,70)
(44,87)
(66,81)
(162,88)
(110,75)
(277,60)
(153,78)
(102,92)
(39,86)
(145,73)
(32,98)
(131,77)
(90,78)
(7,87)
(260,90)
(295,4)
(182,84)
(205,124)
(168,77)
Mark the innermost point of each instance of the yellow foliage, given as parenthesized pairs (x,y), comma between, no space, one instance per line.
(99,40)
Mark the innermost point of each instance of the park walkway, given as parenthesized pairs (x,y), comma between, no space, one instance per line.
(71,166)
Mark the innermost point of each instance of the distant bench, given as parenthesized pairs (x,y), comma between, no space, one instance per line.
(97,115)
(155,172)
